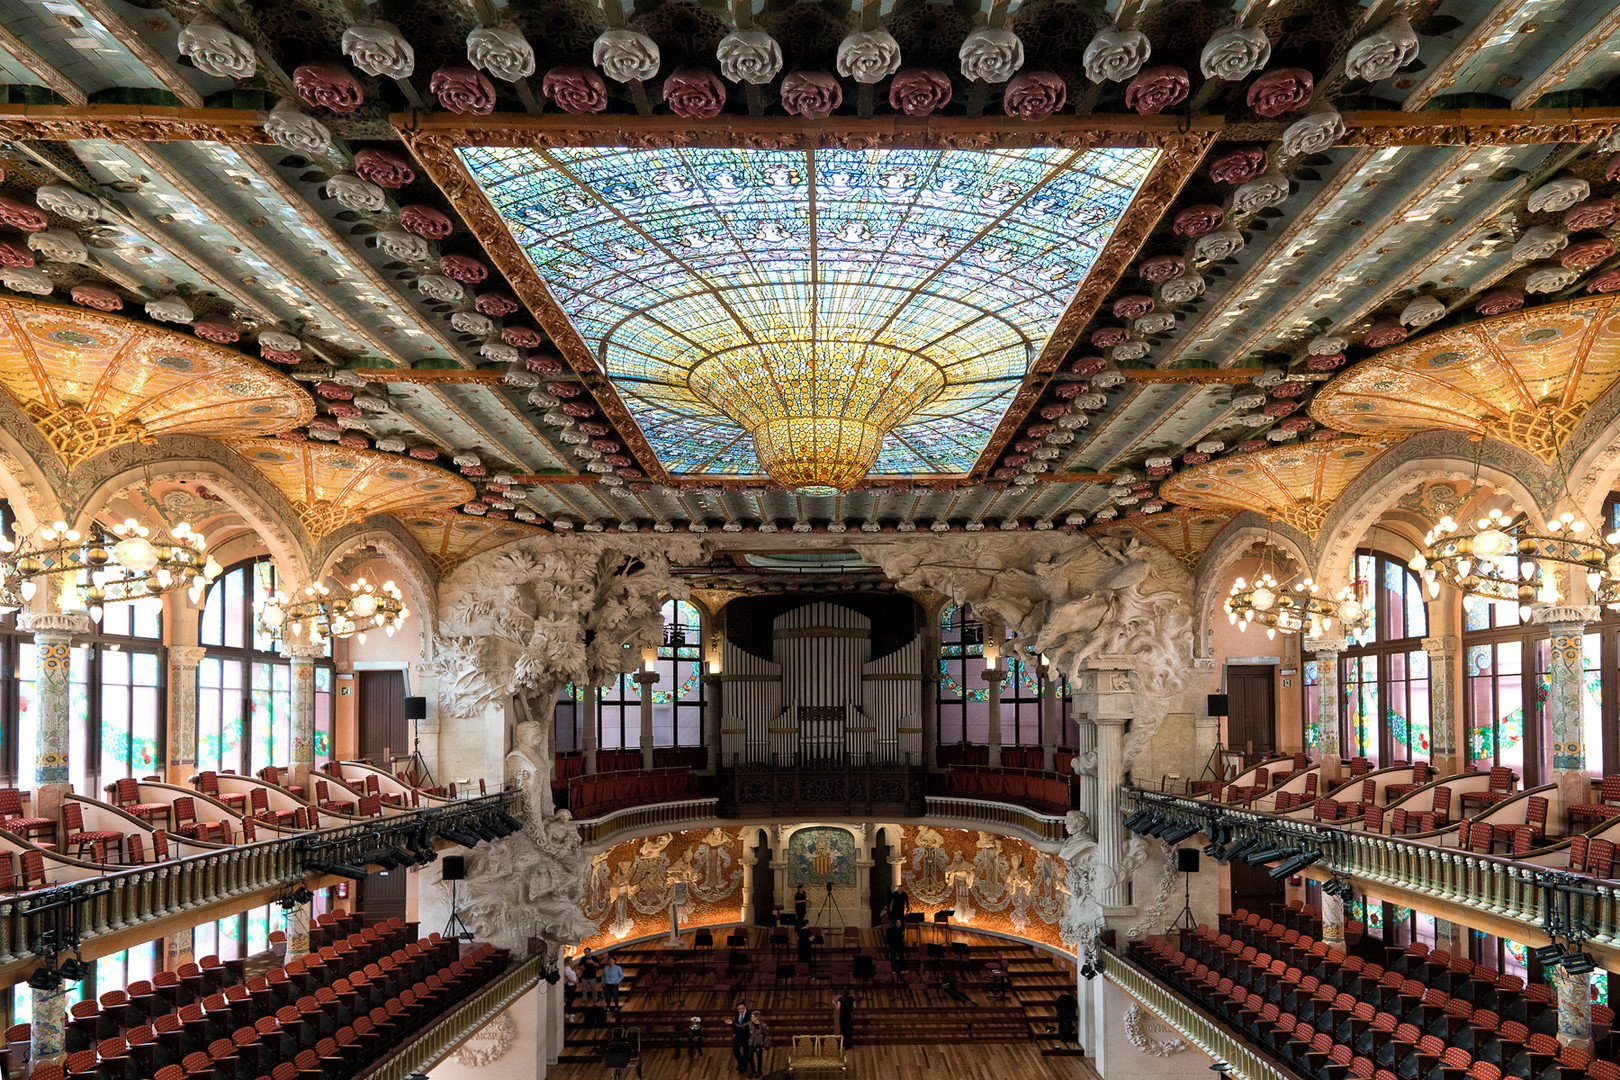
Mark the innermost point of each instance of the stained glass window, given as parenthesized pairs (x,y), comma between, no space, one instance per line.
(677,696)
(964,709)
(934,276)
(1384,683)
(323,713)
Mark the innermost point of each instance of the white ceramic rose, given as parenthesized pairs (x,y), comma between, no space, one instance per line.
(1179,290)
(626,55)
(1383,52)
(521,377)
(749,56)
(402,246)
(1233,55)
(60,245)
(67,202)
(391,444)
(991,56)
(1551,279)
(868,56)
(292,129)
(1558,194)
(1320,345)
(1211,446)
(471,322)
(1247,402)
(1422,311)
(279,341)
(1116,55)
(500,352)
(353,193)
(1157,322)
(1272,376)
(214,50)
(501,52)
(1538,242)
(1314,133)
(379,50)
(1217,245)
(1268,189)
(169,309)
(439,287)
(1130,350)
(26,279)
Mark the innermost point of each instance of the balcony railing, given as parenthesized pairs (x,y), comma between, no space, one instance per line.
(121,901)
(1046,828)
(893,790)
(437,1042)
(1192,1023)
(1423,875)
(646,818)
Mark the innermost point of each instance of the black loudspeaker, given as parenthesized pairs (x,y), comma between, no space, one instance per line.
(1217,705)
(416,708)
(454,867)
(1186,860)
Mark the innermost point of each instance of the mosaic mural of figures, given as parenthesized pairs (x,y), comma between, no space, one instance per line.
(821,856)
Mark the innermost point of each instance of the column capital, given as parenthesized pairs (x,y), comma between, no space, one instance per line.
(1441,645)
(1325,644)
(1571,616)
(302,650)
(646,678)
(54,622)
(186,656)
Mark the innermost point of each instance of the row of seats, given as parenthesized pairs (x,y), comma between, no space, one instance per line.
(591,796)
(1044,792)
(1332,1016)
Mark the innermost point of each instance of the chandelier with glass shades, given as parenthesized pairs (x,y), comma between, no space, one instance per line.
(1294,607)
(1503,558)
(320,613)
(104,566)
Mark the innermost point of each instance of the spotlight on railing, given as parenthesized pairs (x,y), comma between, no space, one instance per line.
(1294,865)
(357,873)
(1178,834)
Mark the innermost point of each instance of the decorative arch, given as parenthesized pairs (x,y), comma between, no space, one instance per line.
(393,543)
(1596,470)
(190,458)
(1420,460)
(1230,544)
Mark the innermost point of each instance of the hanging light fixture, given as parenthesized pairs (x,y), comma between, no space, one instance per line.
(320,613)
(104,566)
(1294,605)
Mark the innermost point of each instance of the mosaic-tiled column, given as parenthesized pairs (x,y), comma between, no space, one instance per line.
(1566,625)
(646,680)
(1106,696)
(53,642)
(49,1024)
(1574,1009)
(1327,651)
(183,663)
(1333,921)
(298,931)
(1443,753)
(302,656)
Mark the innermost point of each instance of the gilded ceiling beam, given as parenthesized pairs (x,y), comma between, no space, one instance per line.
(432,376)
(1193,376)
(142,50)
(1571,58)
(41,68)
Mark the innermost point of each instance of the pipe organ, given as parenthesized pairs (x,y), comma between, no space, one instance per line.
(822,701)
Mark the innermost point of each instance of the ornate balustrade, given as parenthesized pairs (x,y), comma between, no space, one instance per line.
(112,905)
(1494,892)
(1192,1023)
(894,790)
(1044,829)
(441,1039)
(610,827)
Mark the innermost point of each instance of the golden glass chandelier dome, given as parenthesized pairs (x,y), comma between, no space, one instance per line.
(818,410)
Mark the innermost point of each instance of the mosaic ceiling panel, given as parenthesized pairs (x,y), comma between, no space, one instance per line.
(331,486)
(449,538)
(91,381)
(1184,532)
(1527,377)
(933,274)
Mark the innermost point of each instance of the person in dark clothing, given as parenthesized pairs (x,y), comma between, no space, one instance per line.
(806,955)
(846,1018)
(895,937)
(694,1037)
(899,904)
(1068,1018)
(801,906)
(740,1047)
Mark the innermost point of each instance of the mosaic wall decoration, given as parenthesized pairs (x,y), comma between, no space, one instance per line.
(91,381)
(936,276)
(628,891)
(821,856)
(331,486)
(990,882)
(1526,377)
(449,538)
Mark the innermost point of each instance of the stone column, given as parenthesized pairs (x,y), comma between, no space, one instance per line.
(992,679)
(1107,697)
(298,931)
(551,1041)
(428,728)
(1085,756)
(1574,1008)
(1332,921)
(646,680)
(1565,625)
(587,727)
(1450,937)
(1444,713)
(1051,720)
(53,636)
(46,1034)
(1327,651)
(713,704)
(929,688)
(183,662)
(303,655)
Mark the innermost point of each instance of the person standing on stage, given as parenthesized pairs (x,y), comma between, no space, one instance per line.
(846,1018)
(759,1044)
(741,1020)
(801,906)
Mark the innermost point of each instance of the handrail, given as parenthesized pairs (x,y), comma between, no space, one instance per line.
(1500,888)
(686,811)
(1044,828)
(1191,1023)
(439,1041)
(117,902)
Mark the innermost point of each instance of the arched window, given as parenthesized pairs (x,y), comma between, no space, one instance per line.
(677,696)
(244,685)
(1384,674)
(963,697)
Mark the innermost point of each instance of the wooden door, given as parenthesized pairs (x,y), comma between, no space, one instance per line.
(382,896)
(382,716)
(1251,723)
(1253,889)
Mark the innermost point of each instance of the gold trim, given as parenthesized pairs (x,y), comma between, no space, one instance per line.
(1193,376)
(137,45)
(40,68)
(130,123)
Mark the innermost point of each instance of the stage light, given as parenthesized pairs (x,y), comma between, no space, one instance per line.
(1178,834)
(1088,973)
(1215,851)
(1579,963)
(465,839)
(301,895)
(1266,854)
(1222,833)
(1295,865)
(75,969)
(1549,954)
(357,873)
(45,978)
(1135,821)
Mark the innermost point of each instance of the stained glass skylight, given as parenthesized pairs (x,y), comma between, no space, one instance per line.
(730,293)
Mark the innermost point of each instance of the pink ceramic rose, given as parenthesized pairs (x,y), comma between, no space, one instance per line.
(1157,88)
(425,222)
(1587,253)
(1324,361)
(1591,214)
(1053,411)
(544,365)
(329,86)
(21,216)
(1109,336)
(353,440)
(1194,457)
(292,436)
(495,304)
(1499,301)
(920,91)
(1606,282)
(811,94)
(1281,91)
(1088,365)
(423,453)
(1162,267)
(383,168)
(1238,166)
(1071,390)
(466,270)
(221,333)
(1034,95)
(12,254)
(575,89)
(95,296)
(563,389)
(1279,408)
(1296,423)
(463,89)
(1250,446)
(1289,389)
(1196,221)
(694,94)
(579,410)
(1133,307)
(281,356)
(1383,333)
(523,337)
(1324,435)
(1039,431)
